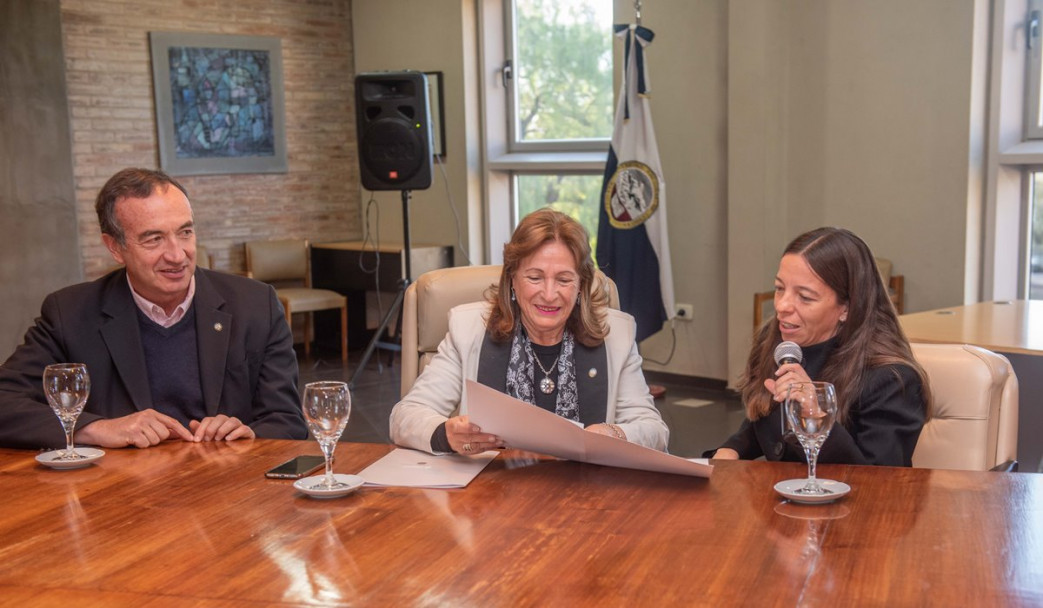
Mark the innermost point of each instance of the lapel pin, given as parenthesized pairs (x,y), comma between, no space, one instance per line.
(593,372)
(218,327)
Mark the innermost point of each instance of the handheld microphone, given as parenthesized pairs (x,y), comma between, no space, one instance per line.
(788,352)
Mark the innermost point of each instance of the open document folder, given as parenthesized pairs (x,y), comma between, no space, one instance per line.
(415,469)
(526,427)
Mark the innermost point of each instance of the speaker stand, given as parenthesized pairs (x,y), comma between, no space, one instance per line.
(396,306)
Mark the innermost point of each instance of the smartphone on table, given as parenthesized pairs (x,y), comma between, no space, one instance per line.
(295,468)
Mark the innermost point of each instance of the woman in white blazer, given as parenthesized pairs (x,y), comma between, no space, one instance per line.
(545,336)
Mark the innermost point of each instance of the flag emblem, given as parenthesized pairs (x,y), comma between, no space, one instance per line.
(632,195)
(633,246)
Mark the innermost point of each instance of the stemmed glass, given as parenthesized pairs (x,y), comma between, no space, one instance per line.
(327,406)
(67,386)
(811,409)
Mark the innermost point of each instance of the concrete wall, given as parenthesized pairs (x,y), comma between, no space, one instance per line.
(39,250)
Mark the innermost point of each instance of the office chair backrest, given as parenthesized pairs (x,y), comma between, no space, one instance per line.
(425,311)
(975,420)
(285,265)
(282,260)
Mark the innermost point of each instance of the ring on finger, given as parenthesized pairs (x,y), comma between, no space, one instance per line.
(467,447)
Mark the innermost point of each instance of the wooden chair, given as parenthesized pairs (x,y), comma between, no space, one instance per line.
(759,300)
(895,289)
(895,284)
(286,262)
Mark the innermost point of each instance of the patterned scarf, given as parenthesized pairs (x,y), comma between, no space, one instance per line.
(521,382)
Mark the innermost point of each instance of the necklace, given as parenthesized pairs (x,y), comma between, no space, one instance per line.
(546,385)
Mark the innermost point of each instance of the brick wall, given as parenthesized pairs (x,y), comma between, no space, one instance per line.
(109,79)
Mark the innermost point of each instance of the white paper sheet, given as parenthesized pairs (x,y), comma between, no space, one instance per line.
(411,468)
(526,427)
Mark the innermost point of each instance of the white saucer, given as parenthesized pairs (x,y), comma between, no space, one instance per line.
(48,459)
(305,485)
(789,489)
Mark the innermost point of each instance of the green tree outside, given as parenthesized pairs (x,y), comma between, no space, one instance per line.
(574,195)
(564,92)
(564,69)
(1035,287)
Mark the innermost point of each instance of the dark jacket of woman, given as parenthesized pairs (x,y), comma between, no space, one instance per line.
(882,425)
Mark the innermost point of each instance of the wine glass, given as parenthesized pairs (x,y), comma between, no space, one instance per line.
(67,386)
(327,406)
(811,409)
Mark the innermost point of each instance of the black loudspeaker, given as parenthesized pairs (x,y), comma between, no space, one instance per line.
(394,130)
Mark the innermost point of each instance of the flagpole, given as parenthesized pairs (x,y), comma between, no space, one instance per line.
(633,247)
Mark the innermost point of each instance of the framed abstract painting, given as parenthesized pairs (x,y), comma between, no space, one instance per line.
(219,103)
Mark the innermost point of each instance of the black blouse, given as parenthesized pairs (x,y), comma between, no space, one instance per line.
(882,426)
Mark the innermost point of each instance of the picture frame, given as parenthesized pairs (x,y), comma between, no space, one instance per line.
(220,104)
(436,103)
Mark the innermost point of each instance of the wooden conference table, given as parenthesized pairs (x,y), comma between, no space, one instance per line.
(199,524)
(1012,328)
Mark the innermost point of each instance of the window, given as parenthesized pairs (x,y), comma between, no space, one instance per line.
(560,74)
(1033,80)
(1033,276)
(574,195)
(1030,281)
(549,110)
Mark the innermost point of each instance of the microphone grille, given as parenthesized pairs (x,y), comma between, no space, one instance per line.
(788,350)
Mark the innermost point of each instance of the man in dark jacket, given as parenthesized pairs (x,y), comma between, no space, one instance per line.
(173,351)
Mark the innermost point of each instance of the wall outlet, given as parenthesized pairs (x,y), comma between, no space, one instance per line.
(685,311)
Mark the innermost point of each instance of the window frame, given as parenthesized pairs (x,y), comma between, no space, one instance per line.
(510,81)
(516,201)
(1025,233)
(502,160)
(1033,70)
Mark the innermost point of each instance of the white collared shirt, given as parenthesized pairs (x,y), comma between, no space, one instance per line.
(156,313)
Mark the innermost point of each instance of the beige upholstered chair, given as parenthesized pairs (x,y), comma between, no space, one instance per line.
(286,265)
(975,420)
(425,311)
(895,284)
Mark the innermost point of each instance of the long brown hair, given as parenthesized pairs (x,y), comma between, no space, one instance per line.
(587,321)
(870,337)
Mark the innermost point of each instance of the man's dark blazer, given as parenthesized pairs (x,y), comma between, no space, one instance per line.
(247,365)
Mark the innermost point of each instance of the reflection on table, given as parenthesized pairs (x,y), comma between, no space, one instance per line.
(200,523)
